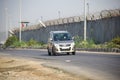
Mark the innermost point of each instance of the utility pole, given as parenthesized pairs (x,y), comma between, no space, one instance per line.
(85,22)
(59,14)
(41,18)
(6,23)
(88,8)
(20,20)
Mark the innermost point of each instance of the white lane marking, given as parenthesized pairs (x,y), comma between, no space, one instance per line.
(67,60)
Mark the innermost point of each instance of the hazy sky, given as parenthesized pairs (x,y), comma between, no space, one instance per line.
(33,10)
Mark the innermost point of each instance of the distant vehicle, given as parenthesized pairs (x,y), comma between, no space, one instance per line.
(2,43)
(60,42)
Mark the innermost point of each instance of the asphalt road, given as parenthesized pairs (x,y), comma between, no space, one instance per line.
(97,66)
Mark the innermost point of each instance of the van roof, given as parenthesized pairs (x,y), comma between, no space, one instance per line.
(59,32)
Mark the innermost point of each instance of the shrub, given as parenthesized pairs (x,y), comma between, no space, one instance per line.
(114,43)
(10,41)
(14,42)
(87,44)
(35,44)
(80,43)
(116,40)
(31,42)
(77,40)
(19,44)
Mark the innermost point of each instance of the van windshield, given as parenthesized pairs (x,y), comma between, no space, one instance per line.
(62,36)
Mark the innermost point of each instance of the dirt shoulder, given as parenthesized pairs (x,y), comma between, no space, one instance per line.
(23,69)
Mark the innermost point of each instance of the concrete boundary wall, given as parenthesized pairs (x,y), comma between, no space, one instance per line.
(101,27)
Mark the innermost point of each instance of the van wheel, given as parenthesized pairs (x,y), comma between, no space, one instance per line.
(49,53)
(73,53)
(53,52)
(68,53)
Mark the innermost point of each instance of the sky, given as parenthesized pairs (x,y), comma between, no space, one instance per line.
(34,10)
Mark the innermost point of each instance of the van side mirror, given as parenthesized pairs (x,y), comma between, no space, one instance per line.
(72,38)
(50,39)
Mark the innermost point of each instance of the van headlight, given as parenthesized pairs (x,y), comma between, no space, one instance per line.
(73,44)
(56,45)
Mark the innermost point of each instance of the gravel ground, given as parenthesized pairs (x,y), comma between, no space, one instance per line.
(21,69)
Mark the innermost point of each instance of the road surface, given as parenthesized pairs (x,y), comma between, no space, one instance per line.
(97,66)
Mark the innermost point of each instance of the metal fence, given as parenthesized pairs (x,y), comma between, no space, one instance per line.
(101,27)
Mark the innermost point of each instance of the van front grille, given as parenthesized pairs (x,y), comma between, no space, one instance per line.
(65,49)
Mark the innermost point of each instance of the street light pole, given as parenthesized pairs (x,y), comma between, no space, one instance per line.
(59,14)
(88,8)
(20,21)
(85,20)
(6,21)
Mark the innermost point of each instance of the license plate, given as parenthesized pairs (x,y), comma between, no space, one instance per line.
(64,48)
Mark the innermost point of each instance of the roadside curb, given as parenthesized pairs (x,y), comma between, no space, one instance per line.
(113,50)
(99,49)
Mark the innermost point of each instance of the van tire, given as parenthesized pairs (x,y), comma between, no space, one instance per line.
(73,53)
(49,53)
(53,52)
(68,53)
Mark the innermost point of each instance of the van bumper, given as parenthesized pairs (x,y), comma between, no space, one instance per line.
(64,49)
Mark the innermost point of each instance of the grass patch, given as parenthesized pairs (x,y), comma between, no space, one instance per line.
(13,41)
(80,43)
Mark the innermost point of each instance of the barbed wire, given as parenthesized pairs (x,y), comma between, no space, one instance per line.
(95,16)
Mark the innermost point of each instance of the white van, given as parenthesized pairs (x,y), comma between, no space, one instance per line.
(60,42)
